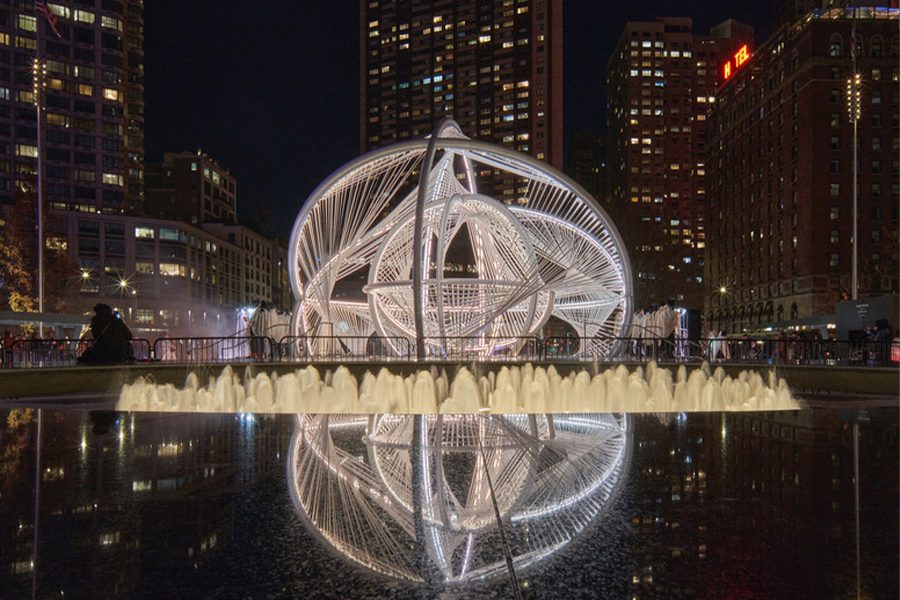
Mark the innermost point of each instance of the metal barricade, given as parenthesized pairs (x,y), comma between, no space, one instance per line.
(748,350)
(482,348)
(345,348)
(214,349)
(60,352)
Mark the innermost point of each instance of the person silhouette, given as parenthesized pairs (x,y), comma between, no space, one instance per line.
(112,339)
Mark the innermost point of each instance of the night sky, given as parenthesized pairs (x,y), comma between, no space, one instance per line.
(270,89)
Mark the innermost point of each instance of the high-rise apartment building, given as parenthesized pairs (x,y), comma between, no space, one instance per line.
(88,69)
(780,172)
(494,66)
(191,187)
(586,163)
(662,80)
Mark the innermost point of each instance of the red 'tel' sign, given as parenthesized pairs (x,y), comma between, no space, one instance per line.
(740,57)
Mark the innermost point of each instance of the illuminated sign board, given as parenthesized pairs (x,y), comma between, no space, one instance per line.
(735,63)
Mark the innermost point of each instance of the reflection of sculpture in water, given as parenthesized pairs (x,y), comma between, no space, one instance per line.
(351,479)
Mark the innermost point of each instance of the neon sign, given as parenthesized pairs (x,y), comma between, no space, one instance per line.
(734,63)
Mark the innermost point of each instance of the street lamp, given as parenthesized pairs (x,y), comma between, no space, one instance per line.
(124,286)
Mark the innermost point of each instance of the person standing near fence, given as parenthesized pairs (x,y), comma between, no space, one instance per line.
(6,345)
(249,334)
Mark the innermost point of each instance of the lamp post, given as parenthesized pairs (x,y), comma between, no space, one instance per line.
(719,293)
(124,286)
(854,104)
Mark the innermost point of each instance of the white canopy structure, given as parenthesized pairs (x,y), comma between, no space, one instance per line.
(552,251)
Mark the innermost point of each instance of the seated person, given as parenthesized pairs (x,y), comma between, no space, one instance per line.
(112,339)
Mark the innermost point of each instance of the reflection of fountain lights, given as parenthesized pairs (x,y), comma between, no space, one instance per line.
(350,479)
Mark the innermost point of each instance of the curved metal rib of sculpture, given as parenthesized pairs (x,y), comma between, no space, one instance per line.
(351,480)
(551,251)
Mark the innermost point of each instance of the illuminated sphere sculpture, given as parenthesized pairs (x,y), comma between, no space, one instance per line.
(549,250)
(352,481)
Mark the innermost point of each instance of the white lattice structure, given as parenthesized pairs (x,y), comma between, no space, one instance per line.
(553,252)
(351,479)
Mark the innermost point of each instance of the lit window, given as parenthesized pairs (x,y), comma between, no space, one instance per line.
(144,232)
(25,42)
(26,23)
(167,233)
(144,267)
(57,120)
(111,94)
(172,270)
(60,11)
(26,150)
(113,179)
(84,16)
(85,89)
(111,22)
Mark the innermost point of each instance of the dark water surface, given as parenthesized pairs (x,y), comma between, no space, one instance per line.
(739,505)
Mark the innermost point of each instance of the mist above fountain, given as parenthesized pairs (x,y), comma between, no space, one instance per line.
(512,389)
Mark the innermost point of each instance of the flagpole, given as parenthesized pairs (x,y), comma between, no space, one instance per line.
(854,284)
(38,100)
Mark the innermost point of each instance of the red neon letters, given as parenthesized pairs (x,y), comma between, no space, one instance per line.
(740,57)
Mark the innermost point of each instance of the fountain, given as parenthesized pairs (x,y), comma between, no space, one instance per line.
(513,389)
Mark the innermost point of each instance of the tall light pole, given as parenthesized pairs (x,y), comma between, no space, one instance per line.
(854,98)
(39,72)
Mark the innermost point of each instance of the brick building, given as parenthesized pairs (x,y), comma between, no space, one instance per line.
(191,187)
(780,174)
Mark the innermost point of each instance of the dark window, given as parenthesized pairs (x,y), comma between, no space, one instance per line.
(110,41)
(58,137)
(57,49)
(57,101)
(84,158)
(84,54)
(84,193)
(85,141)
(111,60)
(84,36)
(54,172)
(58,154)
(110,110)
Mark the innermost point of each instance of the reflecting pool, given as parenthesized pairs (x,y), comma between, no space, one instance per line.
(686,505)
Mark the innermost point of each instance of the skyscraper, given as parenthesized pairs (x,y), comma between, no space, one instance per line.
(495,67)
(662,80)
(781,172)
(87,68)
